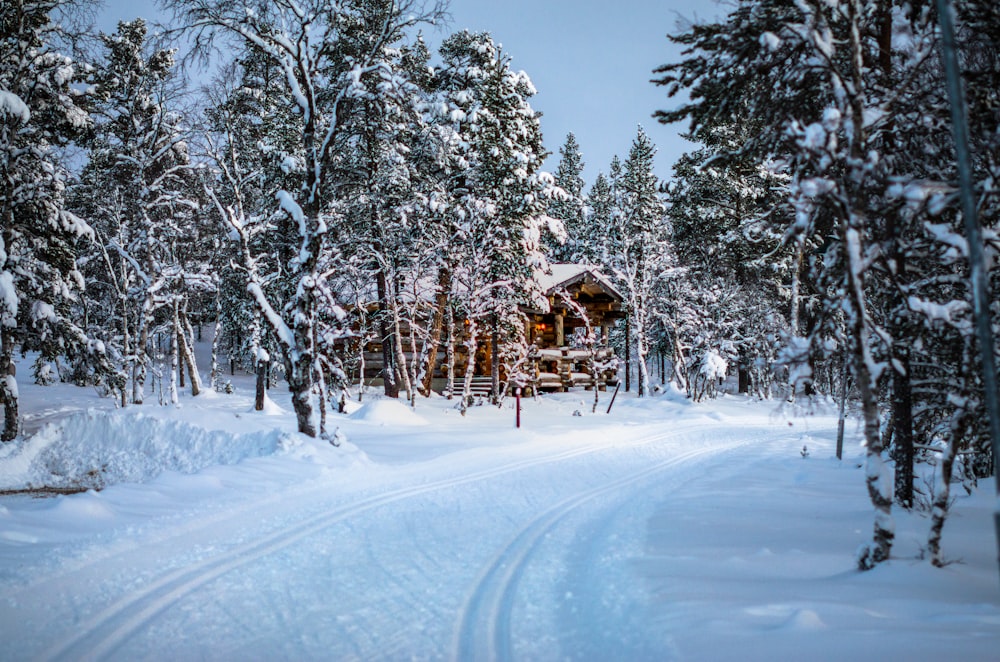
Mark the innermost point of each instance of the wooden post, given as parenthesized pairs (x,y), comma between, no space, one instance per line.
(613,396)
(560,330)
(261,384)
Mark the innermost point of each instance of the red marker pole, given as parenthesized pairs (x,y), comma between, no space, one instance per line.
(517,397)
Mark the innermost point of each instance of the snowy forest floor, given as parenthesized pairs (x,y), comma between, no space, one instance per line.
(663,530)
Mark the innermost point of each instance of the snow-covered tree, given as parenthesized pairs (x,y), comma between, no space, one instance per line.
(499,191)
(393,239)
(568,206)
(776,52)
(323,49)
(721,205)
(252,159)
(139,190)
(40,111)
(849,99)
(638,247)
(591,238)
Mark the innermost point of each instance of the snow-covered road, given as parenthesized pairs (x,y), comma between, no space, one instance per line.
(663,531)
(512,553)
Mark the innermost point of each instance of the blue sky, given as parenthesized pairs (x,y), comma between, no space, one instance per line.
(590,60)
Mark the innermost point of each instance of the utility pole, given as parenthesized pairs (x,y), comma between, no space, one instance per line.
(974,235)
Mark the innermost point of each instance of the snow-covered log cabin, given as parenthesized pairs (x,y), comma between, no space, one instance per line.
(567,344)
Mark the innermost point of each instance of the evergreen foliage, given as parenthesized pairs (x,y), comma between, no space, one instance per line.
(41,110)
(567,206)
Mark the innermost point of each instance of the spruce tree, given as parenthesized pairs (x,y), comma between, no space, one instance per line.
(639,250)
(500,191)
(567,206)
(41,110)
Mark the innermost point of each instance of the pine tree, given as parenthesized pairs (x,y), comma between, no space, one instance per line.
(500,193)
(591,240)
(639,251)
(40,111)
(568,205)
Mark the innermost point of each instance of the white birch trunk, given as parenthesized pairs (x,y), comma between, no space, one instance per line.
(174,366)
(472,344)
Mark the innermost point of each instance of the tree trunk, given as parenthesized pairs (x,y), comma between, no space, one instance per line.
(402,369)
(361,363)
(495,360)
(187,352)
(180,360)
(902,406)
(385,333)
(214,374)
(437,328)
(641,351)
(942,492)
(8,388)
(450,354)
(319,383)
(472,345)
(174,366)
(261,389)
(141,359)
(299,364)
(876,474)
(397,344)
(628,353)
(793,309)
(130,356)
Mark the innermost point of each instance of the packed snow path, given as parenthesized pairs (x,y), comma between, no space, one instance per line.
(664,531)
(457,561)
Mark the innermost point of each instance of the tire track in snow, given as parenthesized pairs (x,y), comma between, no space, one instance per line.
(102,634)
(584,576)
(484,631)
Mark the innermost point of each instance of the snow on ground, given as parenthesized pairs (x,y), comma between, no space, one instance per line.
(663,530)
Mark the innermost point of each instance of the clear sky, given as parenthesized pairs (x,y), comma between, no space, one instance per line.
(590,60)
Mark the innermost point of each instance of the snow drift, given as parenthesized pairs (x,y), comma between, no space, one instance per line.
(94,449)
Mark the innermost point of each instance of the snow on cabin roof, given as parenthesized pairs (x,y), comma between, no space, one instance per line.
(565,274)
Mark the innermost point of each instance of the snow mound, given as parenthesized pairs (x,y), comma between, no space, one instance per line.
(271,408)
(94,449)
(388,412)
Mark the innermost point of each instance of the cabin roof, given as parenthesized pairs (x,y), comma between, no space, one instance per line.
(566,274)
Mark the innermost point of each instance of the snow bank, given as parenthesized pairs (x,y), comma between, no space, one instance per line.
(388,412)
(96,449)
